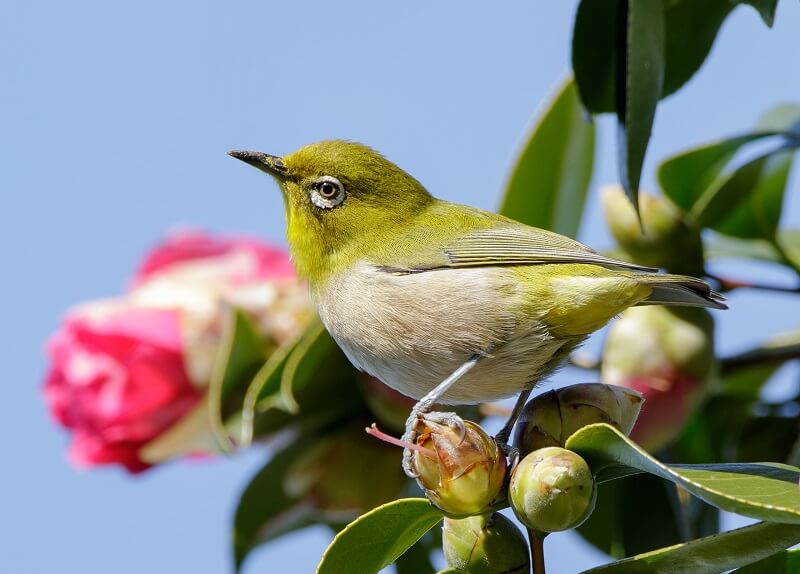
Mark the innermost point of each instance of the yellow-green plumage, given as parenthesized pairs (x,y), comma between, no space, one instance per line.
(411,286)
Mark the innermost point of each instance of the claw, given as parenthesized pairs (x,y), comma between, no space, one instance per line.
(511,452)
(451,420)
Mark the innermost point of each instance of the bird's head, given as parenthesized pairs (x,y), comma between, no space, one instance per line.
(340,197)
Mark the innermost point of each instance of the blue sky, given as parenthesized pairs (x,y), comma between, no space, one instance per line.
(115,119)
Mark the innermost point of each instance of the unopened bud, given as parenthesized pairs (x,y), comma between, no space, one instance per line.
(550,418)
(552,489)
(485,544)
(462,475)
(667,354)
(661,239)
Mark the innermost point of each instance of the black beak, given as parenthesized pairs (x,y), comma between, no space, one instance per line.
(271,164)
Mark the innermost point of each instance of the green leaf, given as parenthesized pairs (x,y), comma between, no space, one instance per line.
(263,388)
(712,554)
(596,37)
(748,202)
(745,373)
(549,182)
(685,177)
(684,19)
(379,537)
(265,510)
(786,562)
(644,80)
(416,560)
(767,491)
(784,118)
(316,356)
(618,527)
(241,355)
(765,8)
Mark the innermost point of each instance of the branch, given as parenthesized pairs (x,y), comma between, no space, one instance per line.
(726,285)
(763,356)
(536,540)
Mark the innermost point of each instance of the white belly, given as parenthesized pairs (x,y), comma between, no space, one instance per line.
(411,331)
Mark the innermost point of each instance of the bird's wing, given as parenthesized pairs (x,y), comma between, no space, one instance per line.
(514,245)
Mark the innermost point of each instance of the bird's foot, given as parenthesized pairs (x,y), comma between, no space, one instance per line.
(420,414)
(511,452)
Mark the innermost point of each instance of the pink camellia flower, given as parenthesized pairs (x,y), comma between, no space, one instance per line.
(667,354)
(117,380)
(125,370)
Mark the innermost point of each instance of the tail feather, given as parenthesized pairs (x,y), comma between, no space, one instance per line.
(680,290)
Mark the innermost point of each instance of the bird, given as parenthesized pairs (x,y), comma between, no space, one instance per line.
(446,303)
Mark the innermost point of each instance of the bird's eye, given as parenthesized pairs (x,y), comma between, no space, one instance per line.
(327,192)
(328,189)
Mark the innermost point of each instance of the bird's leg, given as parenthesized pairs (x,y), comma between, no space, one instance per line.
(505,432)
(423,409)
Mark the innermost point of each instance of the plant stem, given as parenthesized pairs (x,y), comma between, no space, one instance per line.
(536,540)
(763,356)
(726,285)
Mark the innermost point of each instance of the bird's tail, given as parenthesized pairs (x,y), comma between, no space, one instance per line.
(680,290)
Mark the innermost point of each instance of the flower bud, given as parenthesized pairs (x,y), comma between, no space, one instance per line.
(667,354)
(460,475)
(552,489)
(550,418)
(667,241)
(485,544)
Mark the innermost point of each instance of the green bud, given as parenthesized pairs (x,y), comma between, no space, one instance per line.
(485,544)
(460,475)
(551,417)
(667,240)
(552,489)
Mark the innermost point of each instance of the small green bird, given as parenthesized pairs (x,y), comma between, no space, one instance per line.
(444,302)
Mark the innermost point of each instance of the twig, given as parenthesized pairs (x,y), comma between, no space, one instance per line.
(536,540)
(762,356)
(726,285)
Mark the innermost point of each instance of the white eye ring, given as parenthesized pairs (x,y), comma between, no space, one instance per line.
(327,192)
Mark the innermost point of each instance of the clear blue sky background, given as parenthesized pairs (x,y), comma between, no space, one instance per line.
(115,118)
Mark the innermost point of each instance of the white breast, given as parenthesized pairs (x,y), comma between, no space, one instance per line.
(413,330)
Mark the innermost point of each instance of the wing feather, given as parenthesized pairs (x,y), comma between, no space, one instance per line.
(518,245)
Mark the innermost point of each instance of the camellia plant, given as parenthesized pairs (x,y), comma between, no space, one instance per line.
(215,348)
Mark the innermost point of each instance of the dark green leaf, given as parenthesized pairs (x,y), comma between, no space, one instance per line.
(712,554)
(644,80)
(767,438)
(618,527)
(766,491)
(748,202)
(745,373)
(379,537)
(766,9)
(415,560)
(310,384)
(265,510)
(684,19)
(786,562)
(241,355)
(264,388)
(316,356)
(549,182)
(686,176)
(598,37)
